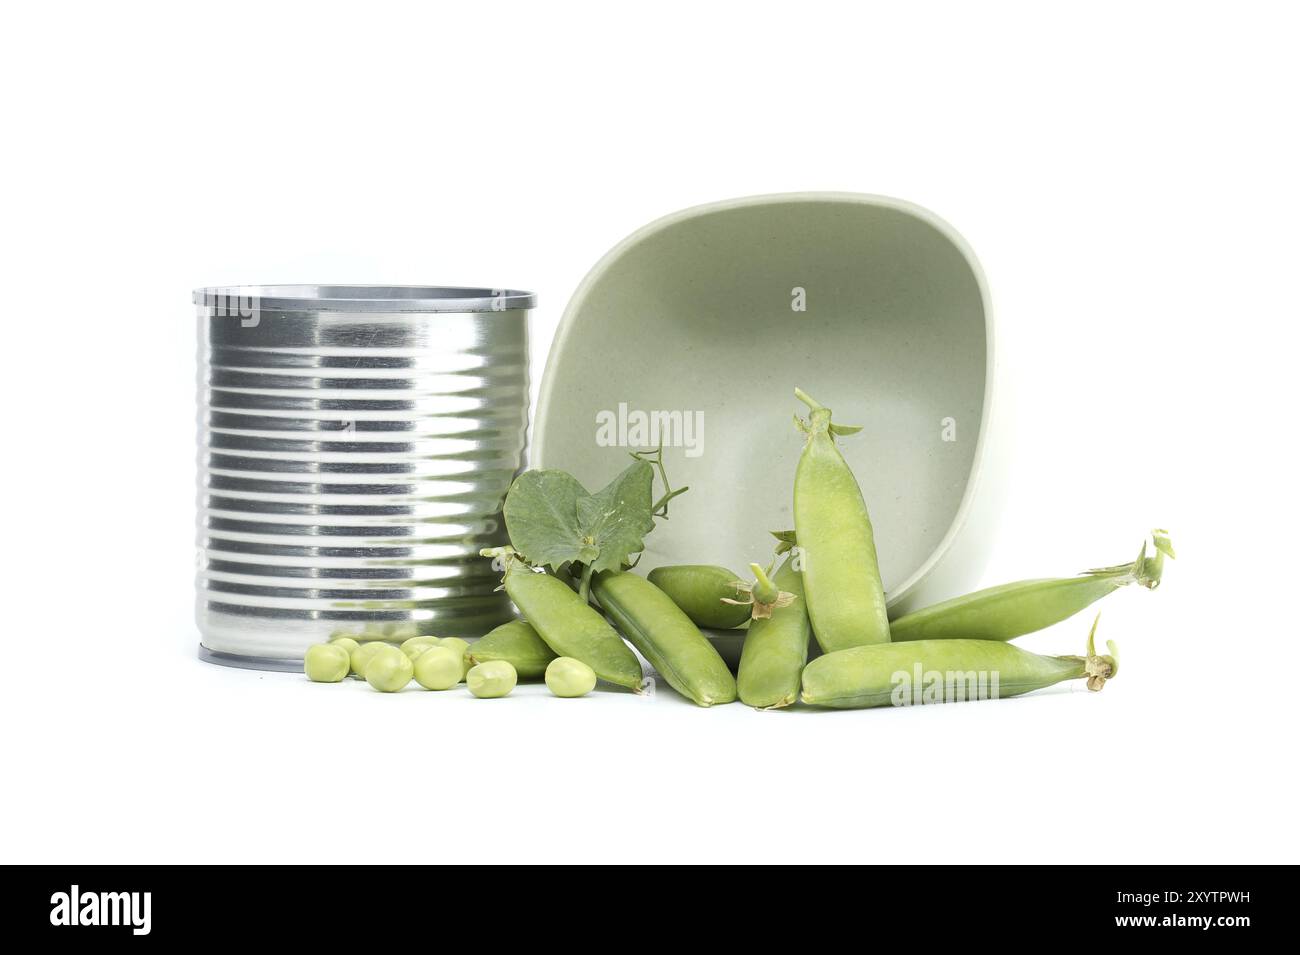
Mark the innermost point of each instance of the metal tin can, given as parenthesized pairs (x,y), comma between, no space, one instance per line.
(355,447)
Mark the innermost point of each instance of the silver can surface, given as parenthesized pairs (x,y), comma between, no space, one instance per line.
(355,447)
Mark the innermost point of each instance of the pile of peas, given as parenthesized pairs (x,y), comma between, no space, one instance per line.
(438,663)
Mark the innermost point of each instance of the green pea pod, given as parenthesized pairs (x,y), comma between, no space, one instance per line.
(776,647)
(944,671)
(569,626)
(519,645)
(1012,610)
(700,591)
(841,578)
(665,636)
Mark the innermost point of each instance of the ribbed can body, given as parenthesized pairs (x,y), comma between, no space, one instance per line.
(352,465)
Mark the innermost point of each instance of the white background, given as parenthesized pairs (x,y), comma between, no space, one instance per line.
(1127,174)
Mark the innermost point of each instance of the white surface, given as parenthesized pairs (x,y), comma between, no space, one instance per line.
(1125,174)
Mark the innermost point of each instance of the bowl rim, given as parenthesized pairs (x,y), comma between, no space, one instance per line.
(940,225)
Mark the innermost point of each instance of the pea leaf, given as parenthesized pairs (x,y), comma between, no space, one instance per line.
(541,512)
(618,516)
(553,520)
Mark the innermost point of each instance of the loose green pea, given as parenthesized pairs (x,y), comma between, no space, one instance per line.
(1012,610)
(567,677)
(700,589)
(461,646)
(325,663)
(776,647)
(439,668)
(519,645)
(493,679)
(347,643)
(665,636)
(414,646)
(841,578)
(944,671)
(389,670)
(569,626)
(363,654)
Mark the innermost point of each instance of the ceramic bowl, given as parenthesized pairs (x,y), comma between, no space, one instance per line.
(695,330)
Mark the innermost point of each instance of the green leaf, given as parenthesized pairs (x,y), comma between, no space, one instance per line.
(541,514)
(552,520)
(786,541)
(616,518)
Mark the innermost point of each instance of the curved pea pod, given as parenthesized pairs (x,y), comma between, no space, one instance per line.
(518,644)
(1012,610)
(841,577)
(776,647)
(944,671)
(699,590)
(665,636)
(571,627)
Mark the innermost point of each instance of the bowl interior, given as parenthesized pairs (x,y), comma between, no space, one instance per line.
(703,323)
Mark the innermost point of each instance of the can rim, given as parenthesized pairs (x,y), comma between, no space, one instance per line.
(367,298)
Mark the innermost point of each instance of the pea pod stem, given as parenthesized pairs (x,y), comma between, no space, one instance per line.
(1100,668)
(706,593)
(763,596)
(812,403)
(764,590)
(1145,571)
(819,417)
(1013,610)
